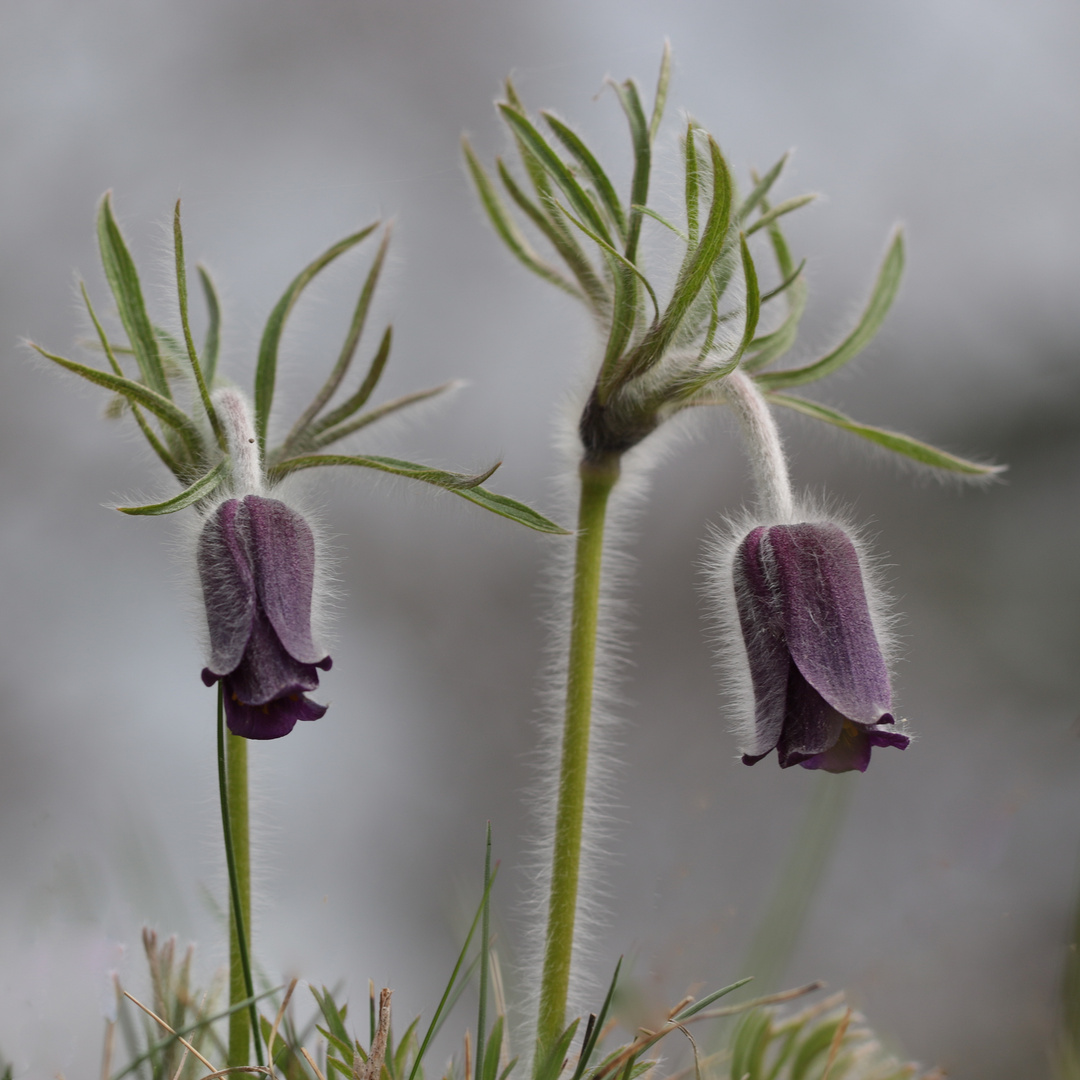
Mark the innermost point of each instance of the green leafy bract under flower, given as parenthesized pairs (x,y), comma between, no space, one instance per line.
(190,439)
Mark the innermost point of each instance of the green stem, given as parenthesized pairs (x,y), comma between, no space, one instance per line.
(597,481)
(233,787)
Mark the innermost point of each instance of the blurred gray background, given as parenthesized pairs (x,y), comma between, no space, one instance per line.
(286,125)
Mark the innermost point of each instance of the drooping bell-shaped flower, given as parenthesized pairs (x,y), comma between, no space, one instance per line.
(822,697)
(256,559)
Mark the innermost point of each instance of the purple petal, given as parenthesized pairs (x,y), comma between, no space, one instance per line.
(269,721)
(852,749)
(284,564)
(826,619)
(760,619)
(228,586)
(811,724)
(267,672)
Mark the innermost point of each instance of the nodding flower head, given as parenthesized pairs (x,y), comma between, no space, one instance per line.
(822,697)
(256,559)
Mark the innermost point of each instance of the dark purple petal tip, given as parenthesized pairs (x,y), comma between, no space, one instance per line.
(821,685)
(256,559)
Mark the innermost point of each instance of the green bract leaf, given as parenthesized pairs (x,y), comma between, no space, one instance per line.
(325,436)
(181,289)
(212,343)
(891,440)
(761,189)
(266,371)
(144,426)
(779,210)
(138,394)
(459,483)
(124,281)
(201,488)
(604,187)
(662,83)
(628,96)
(770,347)
(507,228)
(555,167)
(348,350)
(594,289)
(693,182)
(881,298)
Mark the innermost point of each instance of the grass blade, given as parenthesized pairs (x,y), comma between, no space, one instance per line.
(881,298)
(266,370)
(598,1026)
(485,939)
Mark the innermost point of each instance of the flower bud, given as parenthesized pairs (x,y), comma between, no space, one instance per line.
(256,560)
(821,688)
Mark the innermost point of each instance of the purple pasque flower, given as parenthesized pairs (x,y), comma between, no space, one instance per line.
(256,560)
(822,696)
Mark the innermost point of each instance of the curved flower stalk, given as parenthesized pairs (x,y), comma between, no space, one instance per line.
(665,350)
(256,555)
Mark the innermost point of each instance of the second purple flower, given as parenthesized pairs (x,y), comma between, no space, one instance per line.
(256,560)
(822,697)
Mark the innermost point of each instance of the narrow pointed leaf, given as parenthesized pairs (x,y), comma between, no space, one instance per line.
(138,394)
(705,1002)
(770,347)
(630,101)
(458,483)
(327,436)
(365,390)
(123,280)
(553,1060)
(507,228)
(692,187)
(594,289)
(780,210)
(348,350)
(266,370)
(692,277)
(156,444)
(761,188)
(785,284)
(662,83)
(193,358)
(663,221)
(620,261)
(212,341)
(598,1027)
(555,167)
(891,440)
(604,187)
(881,298)
(491,1053)
(201,488)
(334,1017)
(436,1019)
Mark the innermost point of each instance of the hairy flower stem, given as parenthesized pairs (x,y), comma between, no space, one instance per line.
(597,481)
(233,787)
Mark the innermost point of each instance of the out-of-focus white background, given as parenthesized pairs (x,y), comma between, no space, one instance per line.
(286,125)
